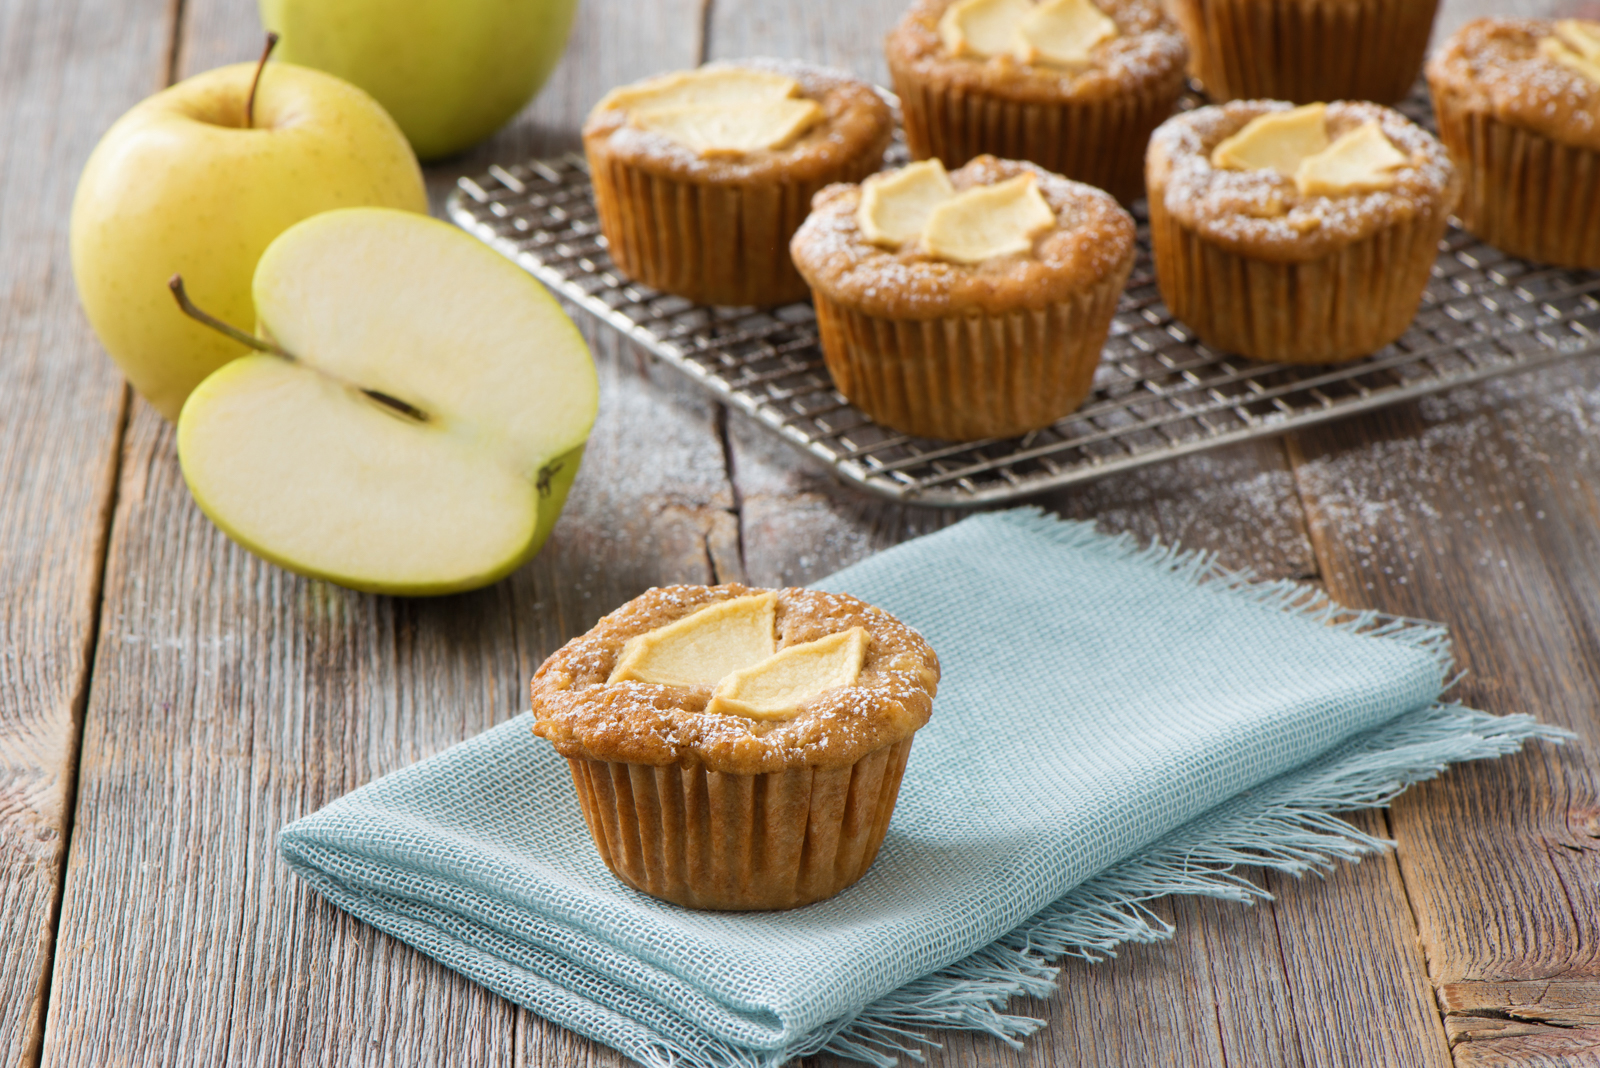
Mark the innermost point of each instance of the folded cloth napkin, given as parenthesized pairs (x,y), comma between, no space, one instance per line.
(1113,724)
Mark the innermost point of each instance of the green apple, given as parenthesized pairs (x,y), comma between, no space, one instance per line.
(421,432)
(182,183)
(451,72)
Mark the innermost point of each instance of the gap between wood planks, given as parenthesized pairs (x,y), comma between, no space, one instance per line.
(720,418)
(1294,459)
(80,704)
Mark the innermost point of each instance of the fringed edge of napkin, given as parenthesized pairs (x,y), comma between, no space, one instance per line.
(1287,825)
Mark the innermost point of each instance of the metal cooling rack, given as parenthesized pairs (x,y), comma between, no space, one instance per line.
(1158,393)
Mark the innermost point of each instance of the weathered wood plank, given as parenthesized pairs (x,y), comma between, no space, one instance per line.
(66,72)
(1479,509)
(1351,954)
(231,697)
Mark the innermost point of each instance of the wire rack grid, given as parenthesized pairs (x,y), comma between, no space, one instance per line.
(1158,394)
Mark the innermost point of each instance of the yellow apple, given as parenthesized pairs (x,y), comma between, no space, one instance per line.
(181,184)
(421,423)
(451,72)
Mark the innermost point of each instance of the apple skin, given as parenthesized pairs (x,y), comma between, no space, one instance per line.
(178,185)
(553,498)
(451,72)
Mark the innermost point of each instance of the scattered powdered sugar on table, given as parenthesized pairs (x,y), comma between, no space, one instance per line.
(1500,452)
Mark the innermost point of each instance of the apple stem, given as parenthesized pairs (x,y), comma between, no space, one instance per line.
(193,311)
(255,83)
(175,283)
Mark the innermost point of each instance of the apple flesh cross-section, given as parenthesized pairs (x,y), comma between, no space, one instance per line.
(704,646)
(423,431)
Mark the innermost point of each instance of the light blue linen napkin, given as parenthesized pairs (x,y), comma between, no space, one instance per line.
(1113,724)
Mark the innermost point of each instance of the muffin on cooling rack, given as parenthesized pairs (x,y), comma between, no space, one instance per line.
(1075,86)
(737,748)
(1518,102)
(1302,235)
(965,305)
(1306,50)
(701,177)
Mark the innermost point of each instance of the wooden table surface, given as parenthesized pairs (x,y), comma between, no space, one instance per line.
(167,701)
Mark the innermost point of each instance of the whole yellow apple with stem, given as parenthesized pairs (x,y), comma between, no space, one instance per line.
(199,179)
(451,72)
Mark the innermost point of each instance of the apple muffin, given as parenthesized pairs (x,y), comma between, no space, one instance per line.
(1518,102)
(701,177)
(1301,235)
(737,748)
(1306,51)
(1075,86)
(968,304)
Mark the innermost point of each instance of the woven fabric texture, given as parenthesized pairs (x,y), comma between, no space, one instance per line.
(1096,698)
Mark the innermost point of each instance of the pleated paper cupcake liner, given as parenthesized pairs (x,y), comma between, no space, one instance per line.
(713,840)
(711,243)
(1097,142)
(963,378)
(1306,51)
(1525,193)
(1342,306)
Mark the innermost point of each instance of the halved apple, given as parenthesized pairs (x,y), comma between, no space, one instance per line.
(422,429)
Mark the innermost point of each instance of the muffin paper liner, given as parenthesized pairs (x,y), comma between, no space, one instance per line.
(967,377)
(1098,142)
(713,840)
(1340,307)
(711,243)
(1306,51)
(1527,194)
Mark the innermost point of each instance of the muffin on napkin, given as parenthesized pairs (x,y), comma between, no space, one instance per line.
(1114,724)
(736,748)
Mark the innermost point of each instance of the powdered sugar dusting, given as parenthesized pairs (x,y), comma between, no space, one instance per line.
(1091,240)
(584,715)
(1494,66)
(1261,212)
(854,119)
(1148,48)
(1479,474)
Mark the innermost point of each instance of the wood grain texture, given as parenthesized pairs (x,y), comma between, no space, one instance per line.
(232,697)
(66,72)
(1479,508)
(229,697)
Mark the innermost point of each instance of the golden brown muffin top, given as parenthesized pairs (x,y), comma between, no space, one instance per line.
(1494,66)
(1263,214)
(1092,240)
(1148,49)
(855,123)
(583,715)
